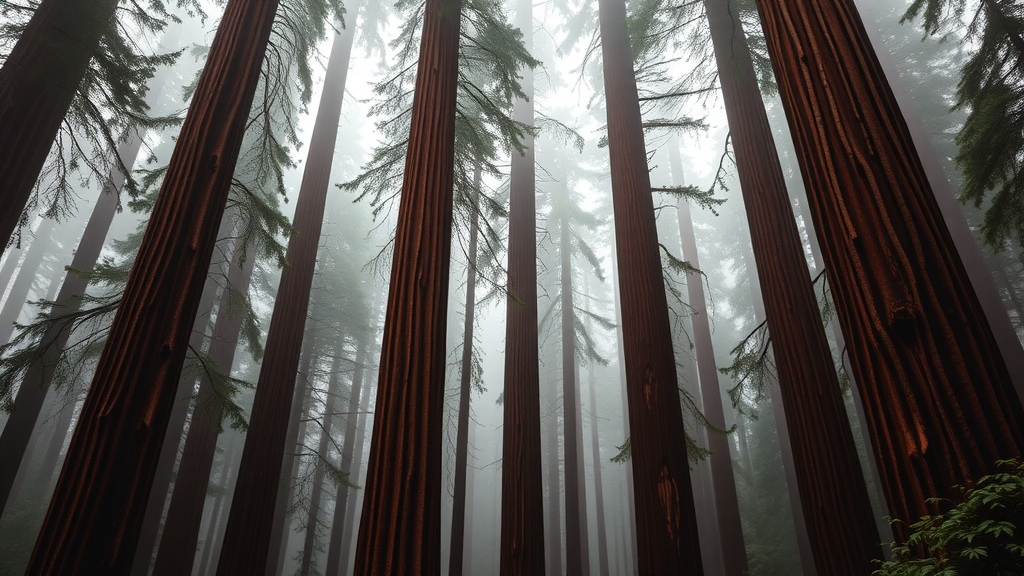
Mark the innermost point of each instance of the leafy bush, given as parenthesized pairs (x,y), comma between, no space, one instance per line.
(983,535)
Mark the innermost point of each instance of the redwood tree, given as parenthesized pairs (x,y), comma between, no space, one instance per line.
(402,507)
(828,471)
(248,534)
(522,506)
(94,516)
(665,522)
(936,392)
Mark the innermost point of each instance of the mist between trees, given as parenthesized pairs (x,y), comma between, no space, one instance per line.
(511,287)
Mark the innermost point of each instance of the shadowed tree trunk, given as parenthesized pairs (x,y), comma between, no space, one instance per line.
(177,550)
(341,507)
(825,457)
(522,493)
(248,534)
(348,535)
(458,536)
(602,537)
(402,505)
(665,522)
(38,82)
(937,395)
(575,494)
(93,521)
(316,492)
(554,486)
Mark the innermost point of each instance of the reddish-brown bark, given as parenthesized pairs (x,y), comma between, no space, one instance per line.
(458,537)
(937,394)
(248,534)
(339,529)
(176,554)
(94,516)
(665,522)
(402,506)
(522,494)
(825,457)
(38,82)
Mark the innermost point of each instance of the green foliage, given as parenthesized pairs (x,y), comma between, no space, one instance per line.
(979,536)
(991,89)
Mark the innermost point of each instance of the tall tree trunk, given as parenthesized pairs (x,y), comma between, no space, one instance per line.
(248,534)
(522,494)
(348,535)
(554,488)
(575,494)
(93,520)
(825,457)
(938,397)
(177,550)
(18,296)
(39,376)
(665,520)
(402,505)
(341,507)
(38,82)
(216,513)
(302,399)
(458,537)
(595,440)
(10,264)
(316,492)
(952,211)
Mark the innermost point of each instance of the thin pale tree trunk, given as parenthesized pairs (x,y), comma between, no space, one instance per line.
(316,492)
(96,511)
(18,296)
(937,394)
(402,505)
(595,439)
(348,535)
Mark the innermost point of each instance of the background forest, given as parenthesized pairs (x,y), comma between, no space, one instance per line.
(272,401)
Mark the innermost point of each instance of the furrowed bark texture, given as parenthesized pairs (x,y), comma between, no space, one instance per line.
(522,493)
(402,505)
(38,82)
(93,521)
(458,538)
(936,392)
(828,469)
(338,531)
(575,498)
(665,521)
(176,554)
(248,534)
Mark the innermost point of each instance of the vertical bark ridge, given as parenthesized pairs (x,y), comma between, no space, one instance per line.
(936,392)
(94,516)
(402,504)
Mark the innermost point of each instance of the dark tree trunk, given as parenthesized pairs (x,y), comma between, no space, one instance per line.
(402,506)
(575,498)
(39,376)
(93,521)
(18,296)
(554,488)
(602,537)
(176,554)
(341,507)
(352,512)
(665,521)
(458,537)
(938,397)
(825,457)
(38,82)
(316,492)
(522,495)
(297,425)
(248,534)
